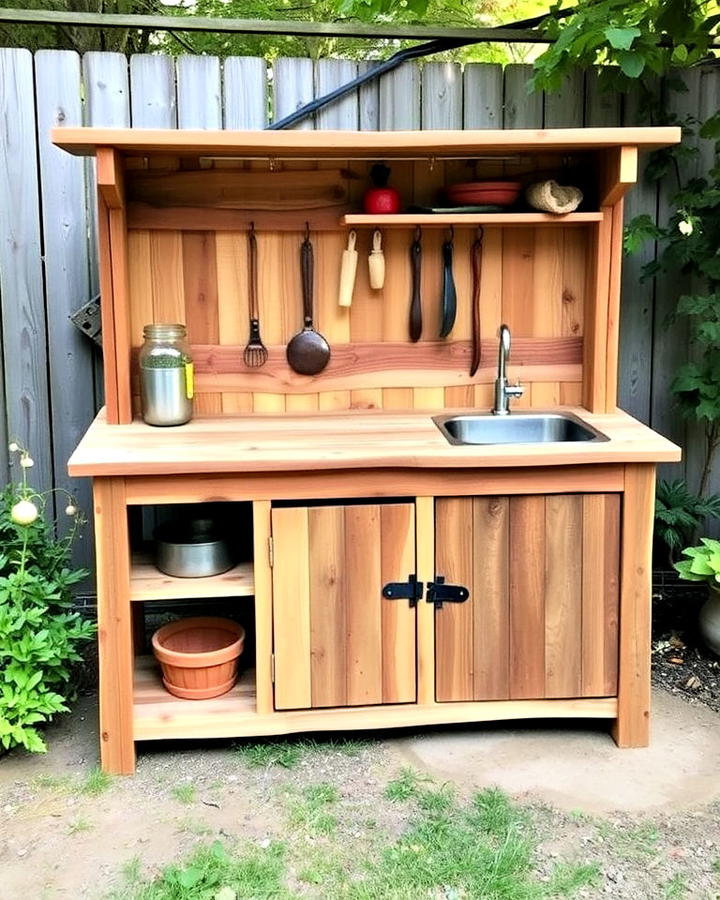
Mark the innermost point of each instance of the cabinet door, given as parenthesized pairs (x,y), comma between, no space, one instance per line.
(542,618)
(337,640)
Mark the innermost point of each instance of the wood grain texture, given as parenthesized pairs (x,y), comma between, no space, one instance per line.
(399,639)
(454,549)
(152,91)
(563,595)
(329,576)
(244,92)
(115,649)
(366,439)
(291,608)
(394,110)
(21,276)
(601,585)
(527,597)
(263,589)
(632,727)
(490,596)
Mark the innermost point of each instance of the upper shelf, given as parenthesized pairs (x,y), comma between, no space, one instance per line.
(357,144)
(441,220)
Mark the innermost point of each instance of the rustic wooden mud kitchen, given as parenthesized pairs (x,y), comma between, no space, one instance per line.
(414,559)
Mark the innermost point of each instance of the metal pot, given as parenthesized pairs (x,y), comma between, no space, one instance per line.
(193,549)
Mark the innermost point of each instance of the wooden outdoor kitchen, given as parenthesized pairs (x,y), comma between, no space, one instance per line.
(397,570)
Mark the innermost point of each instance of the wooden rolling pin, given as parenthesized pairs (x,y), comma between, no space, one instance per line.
(376,263)
(348,270)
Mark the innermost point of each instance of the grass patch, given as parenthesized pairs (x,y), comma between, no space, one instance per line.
(96,782)
(194,826)
(676,888)
(184,793)
(211,872)
(290,753)
(405,786)
(637,843)
(60,783)
(311,810)
(79,826)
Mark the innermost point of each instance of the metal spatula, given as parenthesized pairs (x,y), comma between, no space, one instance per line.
(255,354)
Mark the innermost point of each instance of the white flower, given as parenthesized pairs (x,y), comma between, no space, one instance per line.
(13,447)
(685,227)
(70,510)
(24,512)
(27,462)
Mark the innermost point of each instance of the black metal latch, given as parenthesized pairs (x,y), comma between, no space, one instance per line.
(438,592)
(410,590)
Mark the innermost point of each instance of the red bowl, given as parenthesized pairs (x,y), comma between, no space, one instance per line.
(480,193)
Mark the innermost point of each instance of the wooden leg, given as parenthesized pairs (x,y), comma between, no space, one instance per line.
(632,726)
(115,626)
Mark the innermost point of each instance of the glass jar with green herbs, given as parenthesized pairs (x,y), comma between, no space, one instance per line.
(166,375)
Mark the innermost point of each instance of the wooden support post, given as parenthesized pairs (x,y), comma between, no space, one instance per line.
(117,747)
(632,726)
(425,532)
(263,606)
(613,309)
(618,173)
(595,343)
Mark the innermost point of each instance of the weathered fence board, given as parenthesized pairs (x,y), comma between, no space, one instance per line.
(21,276)
(50,382)
(67,275)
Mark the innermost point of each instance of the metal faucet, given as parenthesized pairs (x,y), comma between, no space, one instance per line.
(503,390)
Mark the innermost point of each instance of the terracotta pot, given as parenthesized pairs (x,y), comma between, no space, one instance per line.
(709,621)
(199,656)
(492,193)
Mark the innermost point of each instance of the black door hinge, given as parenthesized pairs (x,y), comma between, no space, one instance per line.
(410,590)
(438,592)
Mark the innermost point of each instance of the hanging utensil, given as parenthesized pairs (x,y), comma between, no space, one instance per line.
(449,294)
(308,352)
(415,303)
(477,249)
(376,262)
(348,268)
(255,354)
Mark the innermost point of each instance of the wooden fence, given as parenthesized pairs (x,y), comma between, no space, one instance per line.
(50,377)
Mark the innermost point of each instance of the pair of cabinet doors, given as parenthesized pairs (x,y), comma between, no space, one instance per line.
(541,620)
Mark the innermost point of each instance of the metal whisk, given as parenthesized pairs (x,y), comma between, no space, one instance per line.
(255,354)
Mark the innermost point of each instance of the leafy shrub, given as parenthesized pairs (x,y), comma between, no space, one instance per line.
(679,512)
(39,633)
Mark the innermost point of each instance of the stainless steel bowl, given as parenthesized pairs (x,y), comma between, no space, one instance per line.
(193,549)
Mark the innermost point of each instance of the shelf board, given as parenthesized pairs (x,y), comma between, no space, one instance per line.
(157,714)
(442,220)
(149,583)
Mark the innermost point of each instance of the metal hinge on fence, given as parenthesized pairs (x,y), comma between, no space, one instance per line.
(271,552)
(410,590)
(272,668)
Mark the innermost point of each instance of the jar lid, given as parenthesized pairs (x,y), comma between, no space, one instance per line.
(163,331)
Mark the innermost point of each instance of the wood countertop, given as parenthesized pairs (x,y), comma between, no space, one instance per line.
(356,440)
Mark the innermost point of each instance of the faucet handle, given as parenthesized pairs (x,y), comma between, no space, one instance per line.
(515,390)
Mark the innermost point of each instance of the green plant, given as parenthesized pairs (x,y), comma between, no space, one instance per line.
(679,513)
(39,633)
(96,782)
(703,563)
(311,810)
(184,793)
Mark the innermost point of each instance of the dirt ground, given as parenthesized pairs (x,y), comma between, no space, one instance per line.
(65,833)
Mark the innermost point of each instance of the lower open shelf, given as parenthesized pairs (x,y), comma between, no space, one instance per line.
(157,715)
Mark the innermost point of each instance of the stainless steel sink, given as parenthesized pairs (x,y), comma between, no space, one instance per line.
(516,428)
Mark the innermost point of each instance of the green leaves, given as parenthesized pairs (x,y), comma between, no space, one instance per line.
(622,38)
(631,62)
(702,563)
(39,634)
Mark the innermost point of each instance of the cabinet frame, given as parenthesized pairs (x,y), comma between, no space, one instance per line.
(126,718)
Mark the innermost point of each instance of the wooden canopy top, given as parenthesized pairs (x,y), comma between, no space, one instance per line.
(357,144)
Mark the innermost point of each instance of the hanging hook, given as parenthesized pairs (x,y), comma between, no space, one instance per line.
(480,234)
(272,162)
(431,163)
(451,234)
(307,231)
(252,228)
(417,233)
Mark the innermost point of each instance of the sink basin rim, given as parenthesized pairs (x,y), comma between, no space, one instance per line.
(512,418)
